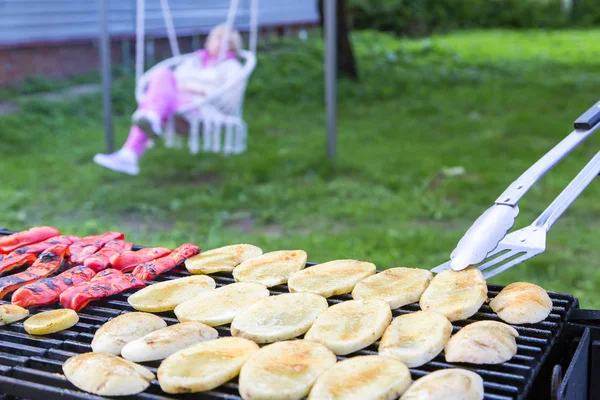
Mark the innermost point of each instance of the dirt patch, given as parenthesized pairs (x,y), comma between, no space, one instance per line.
(8,107)
(68,94)
(243,225)
(131,223)
(207,179)
(248,225)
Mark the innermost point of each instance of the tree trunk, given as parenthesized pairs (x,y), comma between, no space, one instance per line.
(346,63)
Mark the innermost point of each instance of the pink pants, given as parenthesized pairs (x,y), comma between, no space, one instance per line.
(162,97)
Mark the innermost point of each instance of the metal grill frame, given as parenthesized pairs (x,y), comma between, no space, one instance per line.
(30,366)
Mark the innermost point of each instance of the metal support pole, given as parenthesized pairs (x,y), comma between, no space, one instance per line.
(106,76)
(330,75)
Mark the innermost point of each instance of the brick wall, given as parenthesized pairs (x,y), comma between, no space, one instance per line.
(64,59)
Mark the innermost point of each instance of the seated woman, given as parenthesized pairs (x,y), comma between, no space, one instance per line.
(169,89)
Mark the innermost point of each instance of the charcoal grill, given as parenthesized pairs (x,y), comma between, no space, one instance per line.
(30,366)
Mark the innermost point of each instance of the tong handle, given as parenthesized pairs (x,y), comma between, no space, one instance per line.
(589,119)
(585,125)
(569,194)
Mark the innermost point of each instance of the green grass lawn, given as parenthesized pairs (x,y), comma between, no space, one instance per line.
(489,102)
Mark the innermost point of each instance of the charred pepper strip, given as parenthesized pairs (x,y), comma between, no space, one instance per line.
(47,263)
(20,239)
(37,248)
(101,259)
(28,254)
(88,245)
(48,290)
(128,260)
(104,284)
(13,261)
(152,269)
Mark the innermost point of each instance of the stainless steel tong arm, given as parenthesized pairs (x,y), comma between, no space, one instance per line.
(569,194)
(491,227)
(584,127)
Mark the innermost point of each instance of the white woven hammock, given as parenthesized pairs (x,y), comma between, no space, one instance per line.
(215,120)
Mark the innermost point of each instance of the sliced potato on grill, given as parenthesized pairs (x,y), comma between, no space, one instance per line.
(116,333)
(272,268)
(165,296)
(284,370)
(280,317)
(10,313)
(363,377)
(162,343)
(446,384)
(220,306)
(482,342)
(397,286)
(106,375)
(522,303)
(52,321)
(416,338)
(351,325)
(223,259)
(456,294)
(331,278)
(204,366)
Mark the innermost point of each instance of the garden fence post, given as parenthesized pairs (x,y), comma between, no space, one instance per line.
(106,76)
(330,75)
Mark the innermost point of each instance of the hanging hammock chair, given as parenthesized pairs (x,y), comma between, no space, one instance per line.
(215,121)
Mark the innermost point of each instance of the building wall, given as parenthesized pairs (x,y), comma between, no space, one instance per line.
(58,38)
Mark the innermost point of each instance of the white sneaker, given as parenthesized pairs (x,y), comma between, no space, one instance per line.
(147,121)
(123,160)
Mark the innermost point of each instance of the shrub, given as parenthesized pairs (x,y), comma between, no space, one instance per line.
(422,17)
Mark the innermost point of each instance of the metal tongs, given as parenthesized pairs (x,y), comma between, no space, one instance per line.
(486,244)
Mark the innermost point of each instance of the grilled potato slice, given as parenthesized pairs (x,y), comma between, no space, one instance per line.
(284,370)
(10,313)
(446,384)
(106,375)
(165,296)
(398,286)
(457,295)
(52,321)
(220,306)
(223,259)
(363,377)
(280,317)
(522,303)
(272,268)
(116,333)
(351,325)
(482,342)
(416,338)
(331,278)
(204,366)
(162,343)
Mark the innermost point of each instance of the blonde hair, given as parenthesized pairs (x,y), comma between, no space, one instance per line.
(235,39)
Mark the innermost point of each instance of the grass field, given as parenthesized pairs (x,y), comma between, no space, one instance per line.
(432,134)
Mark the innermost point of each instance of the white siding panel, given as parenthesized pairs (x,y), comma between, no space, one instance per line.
(23,21)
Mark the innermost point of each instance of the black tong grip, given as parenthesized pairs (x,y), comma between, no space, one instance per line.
(589,119)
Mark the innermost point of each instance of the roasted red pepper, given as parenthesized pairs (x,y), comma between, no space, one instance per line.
(47,291)
(28,254)
(20,239)
(104,284)
(152,269)
(130,259)
(101,259)
(89,245)
(47,263)
(14,260)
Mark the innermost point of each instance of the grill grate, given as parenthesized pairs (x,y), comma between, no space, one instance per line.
(30,366)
